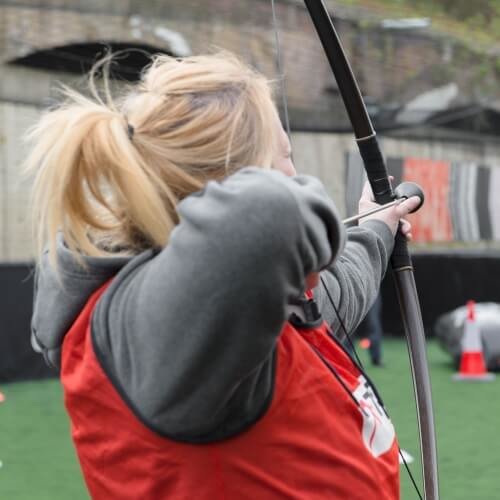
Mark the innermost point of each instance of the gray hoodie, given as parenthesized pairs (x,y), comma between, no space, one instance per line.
(187,333)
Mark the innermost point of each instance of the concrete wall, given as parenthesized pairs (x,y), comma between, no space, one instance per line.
(318,154)
(15,226)
(484,152)
(391,67)
(324,155)
(384,62)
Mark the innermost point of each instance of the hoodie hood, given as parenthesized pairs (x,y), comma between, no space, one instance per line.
(61,295)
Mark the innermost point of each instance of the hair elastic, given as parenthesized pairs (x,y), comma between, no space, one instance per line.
(130,131)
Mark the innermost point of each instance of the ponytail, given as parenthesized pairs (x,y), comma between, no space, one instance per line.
(109,177)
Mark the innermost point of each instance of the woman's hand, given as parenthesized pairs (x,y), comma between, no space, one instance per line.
(392,215)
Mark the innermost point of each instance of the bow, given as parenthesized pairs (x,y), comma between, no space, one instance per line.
(401,264)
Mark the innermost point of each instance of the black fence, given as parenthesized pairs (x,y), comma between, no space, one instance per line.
(444,280)
(18,361)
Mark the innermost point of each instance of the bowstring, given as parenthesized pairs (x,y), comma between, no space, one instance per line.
(342,325)
(361,368)
(282,84)
(281,74)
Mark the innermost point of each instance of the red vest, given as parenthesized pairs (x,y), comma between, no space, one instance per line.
(316,441)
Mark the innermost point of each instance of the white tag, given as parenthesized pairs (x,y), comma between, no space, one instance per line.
(378,431)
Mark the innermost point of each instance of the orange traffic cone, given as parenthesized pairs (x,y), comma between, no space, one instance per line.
(472,365)
(364,343)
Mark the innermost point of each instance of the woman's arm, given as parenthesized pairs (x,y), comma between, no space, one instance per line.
(353,281)
(188,335)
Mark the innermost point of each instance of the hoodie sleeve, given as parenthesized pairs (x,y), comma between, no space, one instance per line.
(353,281)
(188,336)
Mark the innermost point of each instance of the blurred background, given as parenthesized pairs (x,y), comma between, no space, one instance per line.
(430,75)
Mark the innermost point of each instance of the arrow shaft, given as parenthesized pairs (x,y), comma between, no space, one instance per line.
(375,210)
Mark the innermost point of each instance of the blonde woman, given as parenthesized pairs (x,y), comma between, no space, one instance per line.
(179,245)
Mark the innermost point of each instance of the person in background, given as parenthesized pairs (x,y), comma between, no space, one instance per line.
(371,331)
(373,326)
(185,290)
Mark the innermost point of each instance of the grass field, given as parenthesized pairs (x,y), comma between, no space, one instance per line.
(38,461)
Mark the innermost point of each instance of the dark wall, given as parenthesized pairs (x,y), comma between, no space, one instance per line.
(17,359)
(444,281)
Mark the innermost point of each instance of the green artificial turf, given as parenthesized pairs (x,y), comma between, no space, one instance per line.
(467,418)
(38,461)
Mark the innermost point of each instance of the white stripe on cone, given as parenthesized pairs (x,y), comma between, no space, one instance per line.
(472,365)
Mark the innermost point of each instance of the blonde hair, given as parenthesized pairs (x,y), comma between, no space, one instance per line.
(110,173)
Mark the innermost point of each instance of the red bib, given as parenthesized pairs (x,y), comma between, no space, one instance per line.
(323,437)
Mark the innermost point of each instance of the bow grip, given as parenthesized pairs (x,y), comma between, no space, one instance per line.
(376,169)
(378,178)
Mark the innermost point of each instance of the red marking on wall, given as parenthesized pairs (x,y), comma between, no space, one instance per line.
(433,221)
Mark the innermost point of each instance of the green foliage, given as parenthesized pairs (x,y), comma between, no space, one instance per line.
(462,10)
(474,22)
